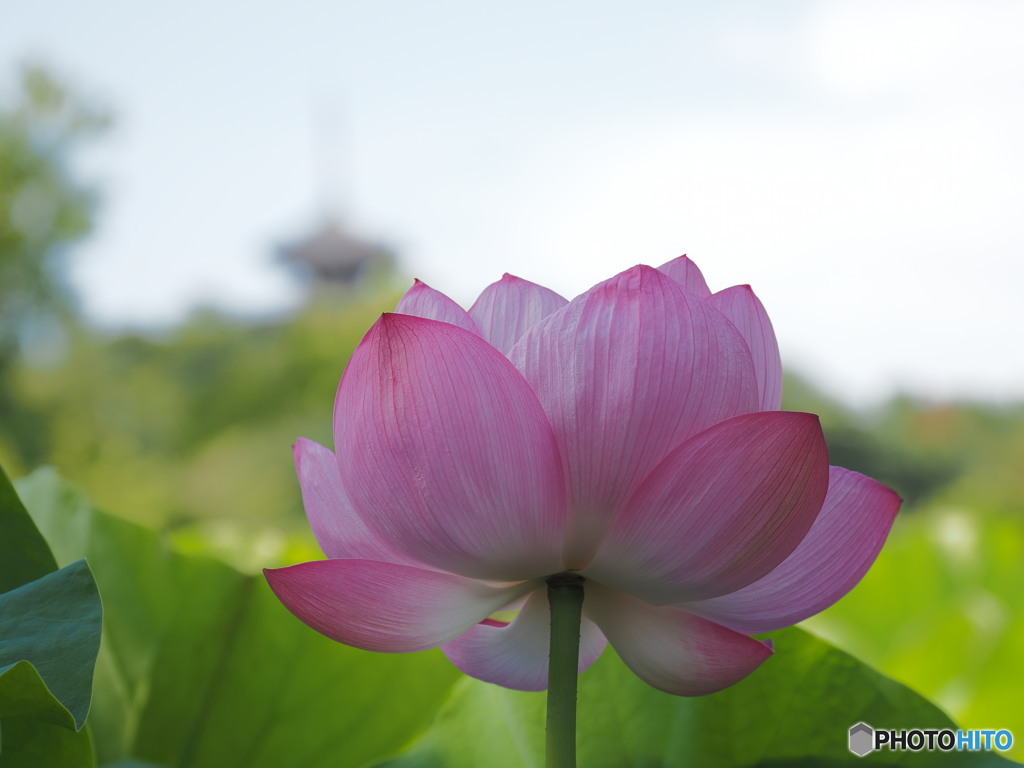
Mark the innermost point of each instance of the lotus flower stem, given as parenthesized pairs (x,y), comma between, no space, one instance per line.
(565,597)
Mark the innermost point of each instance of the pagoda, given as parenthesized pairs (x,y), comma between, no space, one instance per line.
(334,256)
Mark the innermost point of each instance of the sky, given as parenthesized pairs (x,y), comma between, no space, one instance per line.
(858,163)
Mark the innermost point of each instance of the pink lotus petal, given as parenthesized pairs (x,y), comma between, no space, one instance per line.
(686,273)
(445,452)
(339,531)
(747,313)
(383,606)
(840,547)
(423,301)
(510,307)
(721,511)
(516,655)
(670,649)
(626,372)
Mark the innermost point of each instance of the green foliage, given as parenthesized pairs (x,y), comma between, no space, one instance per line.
(926,451)
(49,637)
(193,430)
(795,710)
(940,610)
(31,743)
(946,590)
(42,208)
(24,554)
(200,665)
(51,631)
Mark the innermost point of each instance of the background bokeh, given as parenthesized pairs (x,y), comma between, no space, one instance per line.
(858,163)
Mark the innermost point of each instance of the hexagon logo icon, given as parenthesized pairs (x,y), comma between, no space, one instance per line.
(862,738)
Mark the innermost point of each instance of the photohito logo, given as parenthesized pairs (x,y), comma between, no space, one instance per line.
(864,739)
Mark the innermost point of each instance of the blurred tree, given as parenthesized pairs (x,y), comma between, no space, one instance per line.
(886,444)
(194,426)
(43,209)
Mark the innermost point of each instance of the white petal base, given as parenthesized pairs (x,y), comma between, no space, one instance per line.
(672,650)
(515,655)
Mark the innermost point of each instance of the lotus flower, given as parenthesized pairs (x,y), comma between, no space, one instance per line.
(631,436)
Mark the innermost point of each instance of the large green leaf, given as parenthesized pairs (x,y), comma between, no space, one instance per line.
(51,634)
(31,743)
(794,711)
(24,555)
(201,666)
